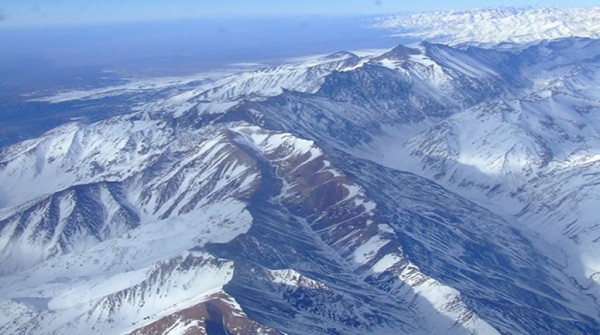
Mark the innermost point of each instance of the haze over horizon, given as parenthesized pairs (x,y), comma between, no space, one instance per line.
(61,12)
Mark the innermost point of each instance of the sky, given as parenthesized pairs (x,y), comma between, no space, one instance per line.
(57,12)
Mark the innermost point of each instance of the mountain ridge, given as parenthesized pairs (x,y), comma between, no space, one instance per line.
(350,190)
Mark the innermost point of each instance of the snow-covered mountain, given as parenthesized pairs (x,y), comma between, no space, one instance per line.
(530,154)
(491,26)
(422,190)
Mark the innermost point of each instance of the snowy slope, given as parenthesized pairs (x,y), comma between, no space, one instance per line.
(528,153)
(496,25)
(178,257)
(217,91)
(506,125)
(276,201)
(111,287)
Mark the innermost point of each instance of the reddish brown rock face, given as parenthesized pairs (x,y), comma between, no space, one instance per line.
(218,315)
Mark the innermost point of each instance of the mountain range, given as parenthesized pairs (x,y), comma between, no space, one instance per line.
(496,25)
(425,189)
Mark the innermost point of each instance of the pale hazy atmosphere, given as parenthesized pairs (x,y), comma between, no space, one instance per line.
(299,167)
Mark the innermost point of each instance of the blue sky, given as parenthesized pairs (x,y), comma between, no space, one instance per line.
(50,12)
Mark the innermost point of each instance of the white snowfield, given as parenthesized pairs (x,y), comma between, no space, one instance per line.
(495,25)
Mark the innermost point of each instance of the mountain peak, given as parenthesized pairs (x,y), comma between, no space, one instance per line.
(340,54)
(400,52)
